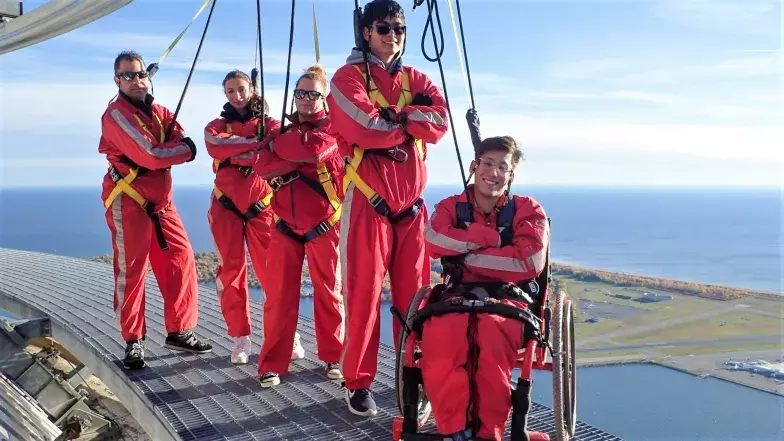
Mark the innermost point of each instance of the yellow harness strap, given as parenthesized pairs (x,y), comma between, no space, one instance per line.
(123,185)
(376,97)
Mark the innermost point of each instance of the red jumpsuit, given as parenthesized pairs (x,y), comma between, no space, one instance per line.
(446,368)
(372,244)
(301,205)
(230,138)
(132,139)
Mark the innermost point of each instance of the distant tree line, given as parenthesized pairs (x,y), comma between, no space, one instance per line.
(207,267)
(631,280)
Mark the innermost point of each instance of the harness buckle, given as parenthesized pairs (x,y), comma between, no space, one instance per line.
(279,181)
(245,170)
(397,154)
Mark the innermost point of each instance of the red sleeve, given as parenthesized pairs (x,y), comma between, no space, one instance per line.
(221,145)
(525,257)
(135,142)
(429,123)
(269,165)
(298,145)
(355,118)
(271,127)
(445,239)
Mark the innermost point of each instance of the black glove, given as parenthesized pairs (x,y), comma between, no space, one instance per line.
(422,99)
(388,114)
(192,146)
(472,118)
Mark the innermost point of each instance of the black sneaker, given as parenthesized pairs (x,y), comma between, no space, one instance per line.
(186,341)
(134,355)
(269,379)
(333,371)
(360,402)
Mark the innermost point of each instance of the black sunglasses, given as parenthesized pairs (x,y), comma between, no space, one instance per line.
(383,28)
(131,75)
(312,95)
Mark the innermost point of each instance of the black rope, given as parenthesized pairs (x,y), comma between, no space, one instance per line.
(288,65)
(465,55)
(190,74)
(261,58)
(431,5)
(360,42)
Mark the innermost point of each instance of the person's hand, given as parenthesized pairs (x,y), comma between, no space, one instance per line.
(422,99)
(191,145)
(472,117)
(388,114)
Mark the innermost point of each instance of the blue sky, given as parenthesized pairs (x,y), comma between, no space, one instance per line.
(614,92)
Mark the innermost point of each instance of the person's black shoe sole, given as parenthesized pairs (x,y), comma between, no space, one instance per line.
(175,347)
(133,365)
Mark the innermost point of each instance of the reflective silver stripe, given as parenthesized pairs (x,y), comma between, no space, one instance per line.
(212,139)
(357,114)
(145,143)
(345,218)
(218,282)
(440,240)
(429,117)
(321,155)
(119,242)
(498,263)
(246,155)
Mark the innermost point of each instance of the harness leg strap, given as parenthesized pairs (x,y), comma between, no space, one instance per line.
(521,403)
(156,221)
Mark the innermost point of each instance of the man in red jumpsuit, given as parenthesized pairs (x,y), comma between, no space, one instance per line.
(384,130)
(137,194)
(462,389)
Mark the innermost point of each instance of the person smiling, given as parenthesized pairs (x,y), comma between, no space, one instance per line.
(384,115)
(466,374)
(238,213)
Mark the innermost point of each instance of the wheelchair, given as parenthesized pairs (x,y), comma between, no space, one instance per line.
(549,331)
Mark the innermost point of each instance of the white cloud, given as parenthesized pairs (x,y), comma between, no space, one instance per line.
(732,68)
(738,16)
(581,69)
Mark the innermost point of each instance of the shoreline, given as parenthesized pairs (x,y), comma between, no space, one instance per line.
(643,360)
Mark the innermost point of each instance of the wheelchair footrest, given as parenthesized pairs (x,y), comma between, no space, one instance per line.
(425,437)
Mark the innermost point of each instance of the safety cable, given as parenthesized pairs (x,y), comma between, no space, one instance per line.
(190,74)
(466,70)
(359,40)
(288,64)
(433,5)
(152,69)
(261,58)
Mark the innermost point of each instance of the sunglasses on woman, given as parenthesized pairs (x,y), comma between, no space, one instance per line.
(383,28)
(131,75)
(312,95)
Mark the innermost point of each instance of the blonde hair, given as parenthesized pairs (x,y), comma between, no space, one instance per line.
(315,73)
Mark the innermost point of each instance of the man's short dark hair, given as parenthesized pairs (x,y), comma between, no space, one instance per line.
(129,56)
(381,9)
(505,144)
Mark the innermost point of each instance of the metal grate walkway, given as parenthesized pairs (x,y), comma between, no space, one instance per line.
(198,397)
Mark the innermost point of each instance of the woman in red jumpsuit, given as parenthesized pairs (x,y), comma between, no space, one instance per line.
(303,166)
(239,213)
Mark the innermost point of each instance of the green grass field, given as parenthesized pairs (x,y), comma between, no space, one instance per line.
(733,324)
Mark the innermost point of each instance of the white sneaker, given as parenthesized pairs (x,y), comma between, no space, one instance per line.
(241,350)
(298,352)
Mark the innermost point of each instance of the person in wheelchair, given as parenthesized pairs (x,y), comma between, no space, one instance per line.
(489,241)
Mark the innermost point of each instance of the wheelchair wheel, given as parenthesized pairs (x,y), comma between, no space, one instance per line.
(564,368)
(423,402)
